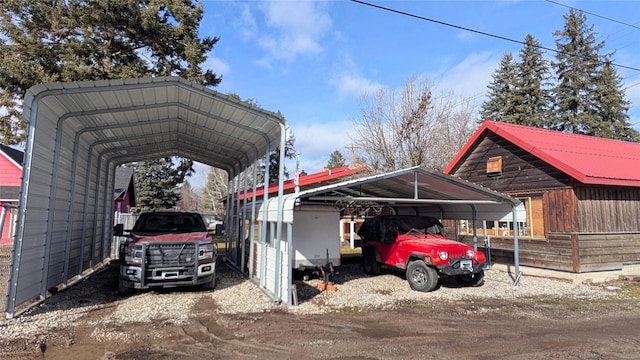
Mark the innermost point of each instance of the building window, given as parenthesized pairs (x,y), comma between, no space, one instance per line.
(494,166)
(529,217)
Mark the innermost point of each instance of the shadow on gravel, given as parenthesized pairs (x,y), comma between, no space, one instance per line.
(101,289)
(351,268)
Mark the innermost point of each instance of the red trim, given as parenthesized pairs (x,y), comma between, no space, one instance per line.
(306,180)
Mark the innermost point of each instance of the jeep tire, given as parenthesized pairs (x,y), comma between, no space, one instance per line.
(421,277)
(369,262)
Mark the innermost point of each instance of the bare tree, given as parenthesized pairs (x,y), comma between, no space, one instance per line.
(213,192)
(412,126)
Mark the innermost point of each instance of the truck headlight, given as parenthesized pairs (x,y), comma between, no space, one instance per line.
(133,254)
(470,254)
(443,255)
(206,251)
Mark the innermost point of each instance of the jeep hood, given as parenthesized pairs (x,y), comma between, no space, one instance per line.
(434,243)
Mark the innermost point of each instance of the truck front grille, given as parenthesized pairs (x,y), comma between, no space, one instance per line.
(171,254)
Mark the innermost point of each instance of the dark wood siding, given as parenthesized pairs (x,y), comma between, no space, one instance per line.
(608,251)
(520,170)
(553,254)
(561,212)
(608,209)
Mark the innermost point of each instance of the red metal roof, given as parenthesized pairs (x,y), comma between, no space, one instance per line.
(588,159)
(320,178)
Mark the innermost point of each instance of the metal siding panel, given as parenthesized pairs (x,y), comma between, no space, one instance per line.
(270,270)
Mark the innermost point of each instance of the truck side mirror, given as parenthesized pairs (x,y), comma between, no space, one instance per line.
(118,230)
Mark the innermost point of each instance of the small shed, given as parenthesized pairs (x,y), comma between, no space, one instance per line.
(580,196)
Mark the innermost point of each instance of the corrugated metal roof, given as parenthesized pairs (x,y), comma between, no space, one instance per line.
(136,119)
(588,159)
(417,190)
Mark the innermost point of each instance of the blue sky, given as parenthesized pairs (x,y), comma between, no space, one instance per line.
(312,60)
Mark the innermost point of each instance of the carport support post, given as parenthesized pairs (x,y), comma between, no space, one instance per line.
(474,215)
(516,247)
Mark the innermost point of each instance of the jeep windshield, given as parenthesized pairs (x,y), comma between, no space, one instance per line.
(169,223)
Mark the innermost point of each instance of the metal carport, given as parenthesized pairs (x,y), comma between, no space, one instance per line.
(412,191)
(80,131)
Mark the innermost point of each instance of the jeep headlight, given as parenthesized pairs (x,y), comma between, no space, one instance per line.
(133,254)
(205,251)
(443,255)
(470,254)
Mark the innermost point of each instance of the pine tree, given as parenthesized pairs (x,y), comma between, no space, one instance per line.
(578,65)
(156,183)
(530,90)
(612,107)
(499,105)
(50,41)
(336,160)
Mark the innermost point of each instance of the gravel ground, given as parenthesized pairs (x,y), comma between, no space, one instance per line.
(235,294)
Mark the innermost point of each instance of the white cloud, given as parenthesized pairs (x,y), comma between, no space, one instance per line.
(352,84)
(316,141)
(217,65)
(296,28)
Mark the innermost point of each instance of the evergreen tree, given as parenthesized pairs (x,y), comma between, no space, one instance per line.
(274,162)
(336,160)
(530,90)
(499,105)
(612,107)
(577,68)
(156,183)
(50,41)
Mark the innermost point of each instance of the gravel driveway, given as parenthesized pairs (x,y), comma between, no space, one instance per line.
(94,304)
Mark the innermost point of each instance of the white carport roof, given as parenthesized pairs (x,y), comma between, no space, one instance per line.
(80,131)
(135,119)
(418,190)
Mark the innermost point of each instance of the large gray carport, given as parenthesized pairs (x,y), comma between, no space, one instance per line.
(79,132)
(412,191)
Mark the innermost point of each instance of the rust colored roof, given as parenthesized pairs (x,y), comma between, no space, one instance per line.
(588,159)
(324,177)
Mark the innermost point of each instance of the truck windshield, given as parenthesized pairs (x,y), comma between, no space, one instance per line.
(169,223)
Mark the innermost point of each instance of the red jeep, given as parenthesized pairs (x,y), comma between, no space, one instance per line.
(416,244)
(167,249)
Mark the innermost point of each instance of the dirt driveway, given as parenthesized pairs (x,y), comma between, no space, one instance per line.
(476,328)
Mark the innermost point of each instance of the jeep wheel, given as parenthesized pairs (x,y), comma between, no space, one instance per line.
(421,277)
(122,289)
(471,279)
(369,262)
(211,284)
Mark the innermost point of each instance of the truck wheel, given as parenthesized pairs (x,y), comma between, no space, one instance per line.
(421,277)
(122,289)
(211,284)
(471,279)
(369,262)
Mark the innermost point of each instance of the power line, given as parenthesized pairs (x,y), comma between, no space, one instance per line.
(474,31)
(596,15)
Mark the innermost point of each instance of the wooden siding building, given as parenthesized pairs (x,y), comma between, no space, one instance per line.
(580,196)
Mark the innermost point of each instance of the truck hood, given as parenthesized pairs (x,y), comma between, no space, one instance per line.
(171,237)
